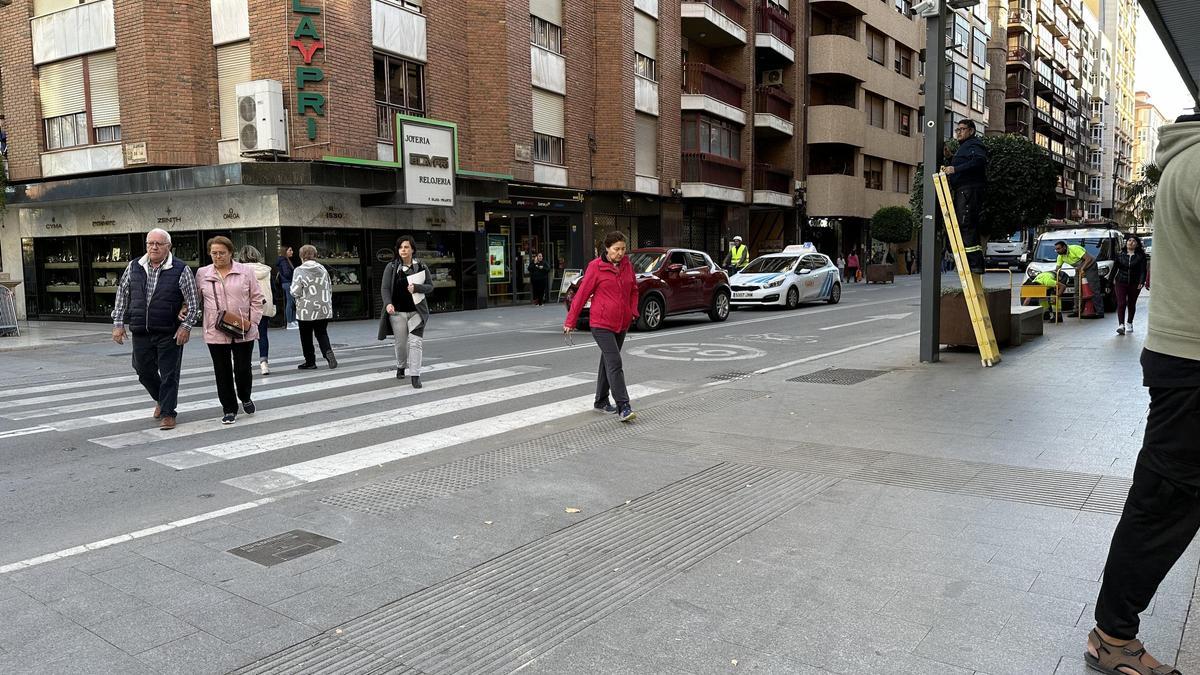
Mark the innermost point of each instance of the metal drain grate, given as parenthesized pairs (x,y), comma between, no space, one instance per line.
(392,495)
(504,613)
(838,376)
(730,376)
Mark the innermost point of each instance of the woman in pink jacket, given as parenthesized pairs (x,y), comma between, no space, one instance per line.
(610,284)
(230,289)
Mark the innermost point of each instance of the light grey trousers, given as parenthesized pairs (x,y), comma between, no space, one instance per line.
(409,348)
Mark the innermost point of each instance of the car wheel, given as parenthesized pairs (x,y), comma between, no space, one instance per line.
(720,306)
(651,314)
(835,296)
(793,298)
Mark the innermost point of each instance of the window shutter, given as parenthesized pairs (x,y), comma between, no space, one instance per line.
(61,88)
(550,10)
(645,35)
(44,7)
(548,114)
(233,68)
(646,148)
(102,81)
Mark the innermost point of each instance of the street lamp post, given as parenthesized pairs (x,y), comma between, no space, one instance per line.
(935,105)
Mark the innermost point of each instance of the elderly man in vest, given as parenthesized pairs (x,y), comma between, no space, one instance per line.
(155,293)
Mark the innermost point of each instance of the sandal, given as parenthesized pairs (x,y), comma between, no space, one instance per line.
(1111,658)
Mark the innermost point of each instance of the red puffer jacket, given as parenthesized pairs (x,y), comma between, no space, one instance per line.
(614,294)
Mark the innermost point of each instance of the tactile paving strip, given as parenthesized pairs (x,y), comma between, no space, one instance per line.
(504,613)
(392,495)
(838,376)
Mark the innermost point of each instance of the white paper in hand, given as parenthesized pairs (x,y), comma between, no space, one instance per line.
(417,278)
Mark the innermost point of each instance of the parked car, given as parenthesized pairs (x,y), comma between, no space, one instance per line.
(672,281)
(798,274)
(1102,244)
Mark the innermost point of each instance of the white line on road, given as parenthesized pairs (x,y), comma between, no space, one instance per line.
(350,461)
(104,543)
(881,317)
(146,436)
(816,357)
(276,440)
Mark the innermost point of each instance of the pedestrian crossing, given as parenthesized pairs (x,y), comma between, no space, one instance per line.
(326,423)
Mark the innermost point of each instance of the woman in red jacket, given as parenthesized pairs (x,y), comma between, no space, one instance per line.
(610,284)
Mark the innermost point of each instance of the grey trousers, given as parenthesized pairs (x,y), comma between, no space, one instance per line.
(612,373)
(409,348)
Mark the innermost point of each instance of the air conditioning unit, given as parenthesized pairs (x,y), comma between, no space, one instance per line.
(262,128)
(772,77)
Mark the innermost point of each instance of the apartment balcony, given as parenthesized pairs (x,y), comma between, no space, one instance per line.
(1018,127)
(710,90)
(843,6)
(713,23)
(1020,20)
(1046,10)
(1017,92)
(838,55)
(708,176)
(836,124)
(834,195)
(776,32)
(1021,57)
(1061,25)
(773,186)
(73,31)
(773,111)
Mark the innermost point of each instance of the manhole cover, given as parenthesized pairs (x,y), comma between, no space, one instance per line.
(838,376)
(730,376)
(283,547)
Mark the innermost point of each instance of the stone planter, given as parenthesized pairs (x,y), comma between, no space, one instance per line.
(881,274)
(955,328)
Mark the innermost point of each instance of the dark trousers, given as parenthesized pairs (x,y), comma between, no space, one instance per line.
(968,206)
(1127,296)
(307,329)
(852,274)
(264,342)
(612,373)
(231,364)
(156,360)
(539,291)
(1161,516)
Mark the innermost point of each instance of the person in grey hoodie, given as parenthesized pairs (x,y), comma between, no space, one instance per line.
(1162,512)
(405,283)
(314,307)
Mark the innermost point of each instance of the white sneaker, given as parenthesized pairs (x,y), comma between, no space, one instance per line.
(1121,329)
(293,326)
(266,370)
(1129,326)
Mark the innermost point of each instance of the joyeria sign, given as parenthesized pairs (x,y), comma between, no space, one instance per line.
(310,105)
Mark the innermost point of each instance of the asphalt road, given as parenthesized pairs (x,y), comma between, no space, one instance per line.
(82,461)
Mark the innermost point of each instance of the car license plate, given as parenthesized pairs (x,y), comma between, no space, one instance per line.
(742,294)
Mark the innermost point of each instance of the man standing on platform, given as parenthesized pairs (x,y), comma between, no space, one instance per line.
(968,178)
(155,291)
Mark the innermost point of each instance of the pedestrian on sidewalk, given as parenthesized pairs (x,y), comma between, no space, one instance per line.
(611,286)
(153,293)
(1162,512)
(250,257)
(232,302)
(1131,279)
(405,312)
(841,265)
(852,266)
(967,173)
(539,277)
(286,269)
(313,292)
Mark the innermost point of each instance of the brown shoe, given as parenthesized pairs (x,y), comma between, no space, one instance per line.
(157,411)
(168,423)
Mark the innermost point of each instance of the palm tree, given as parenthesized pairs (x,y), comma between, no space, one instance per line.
(1139,195)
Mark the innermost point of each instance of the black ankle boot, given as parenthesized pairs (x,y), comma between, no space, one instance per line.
(416,382)
(399,373)
(331,359)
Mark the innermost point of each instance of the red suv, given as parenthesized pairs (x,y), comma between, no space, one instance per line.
(672,281)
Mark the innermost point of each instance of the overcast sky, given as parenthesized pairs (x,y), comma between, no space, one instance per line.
(1155,73)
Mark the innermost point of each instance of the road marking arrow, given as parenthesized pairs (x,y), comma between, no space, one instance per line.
(881,317)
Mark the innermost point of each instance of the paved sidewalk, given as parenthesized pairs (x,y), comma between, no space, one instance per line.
(935,518)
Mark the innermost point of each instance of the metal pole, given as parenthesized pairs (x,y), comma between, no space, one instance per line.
(931,254)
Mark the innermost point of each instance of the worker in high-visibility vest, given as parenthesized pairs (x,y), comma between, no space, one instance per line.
(738,256)
(1055,285)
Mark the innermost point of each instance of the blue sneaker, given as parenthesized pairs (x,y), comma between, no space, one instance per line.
(627,414)
(604,407)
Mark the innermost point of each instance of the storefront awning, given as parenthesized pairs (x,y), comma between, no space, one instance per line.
(1177,23)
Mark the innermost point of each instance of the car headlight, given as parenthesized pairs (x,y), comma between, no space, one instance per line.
(774,284)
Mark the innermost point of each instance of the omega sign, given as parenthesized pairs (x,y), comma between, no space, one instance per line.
(427,153)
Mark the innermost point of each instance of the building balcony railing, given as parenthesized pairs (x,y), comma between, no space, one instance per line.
(701,167)
(1020,18)
(773,101)
(775,22)
(1017,127)
(733,9)
(770,179)
(1020,90)
(707,80)
(1020,55)
(386,114)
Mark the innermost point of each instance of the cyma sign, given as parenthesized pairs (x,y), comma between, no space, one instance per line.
(310,105)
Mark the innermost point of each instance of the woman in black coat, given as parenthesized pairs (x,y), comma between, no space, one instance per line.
(1130,280)
(539,277)
(406,281)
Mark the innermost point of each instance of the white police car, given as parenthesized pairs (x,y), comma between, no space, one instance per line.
(797,274)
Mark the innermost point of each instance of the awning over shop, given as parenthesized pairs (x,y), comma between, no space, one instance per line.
(1177,23)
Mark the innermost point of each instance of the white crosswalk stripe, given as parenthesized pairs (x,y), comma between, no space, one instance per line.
(339,464)
(219,452)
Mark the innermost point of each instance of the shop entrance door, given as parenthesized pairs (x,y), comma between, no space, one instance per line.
(524,236)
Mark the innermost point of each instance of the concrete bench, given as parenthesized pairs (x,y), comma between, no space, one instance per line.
(1026,322)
